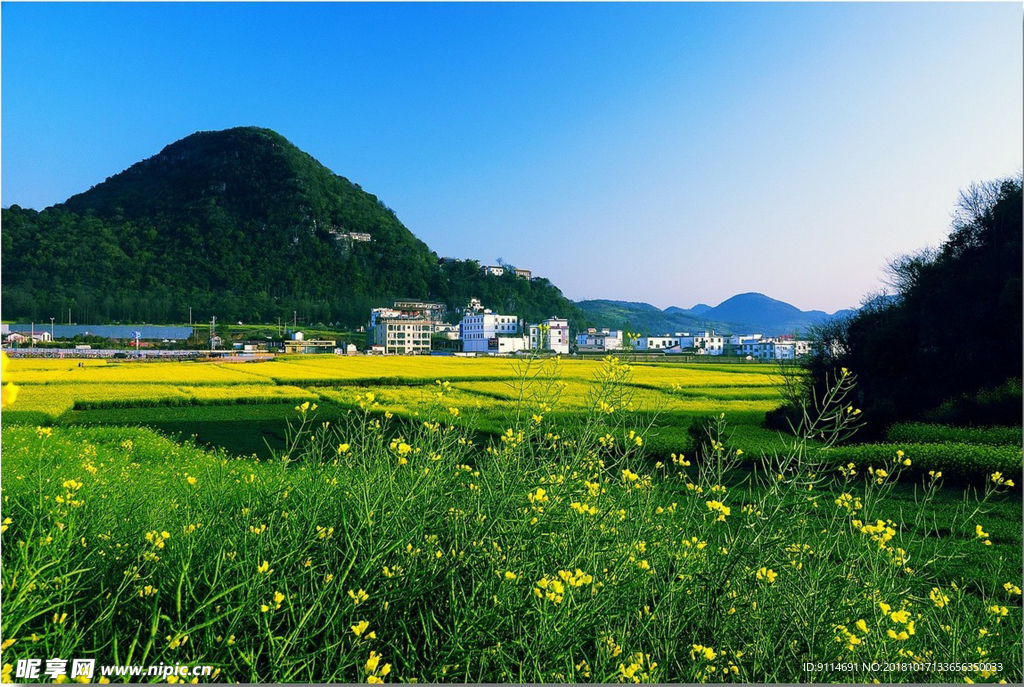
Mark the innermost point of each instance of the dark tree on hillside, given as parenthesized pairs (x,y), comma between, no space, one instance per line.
(948,346)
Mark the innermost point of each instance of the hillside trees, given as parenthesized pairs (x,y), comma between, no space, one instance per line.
(240,224)
(948,346)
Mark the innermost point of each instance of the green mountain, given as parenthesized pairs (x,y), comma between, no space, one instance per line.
(742,314)
(759,313)
(645,318)
(240,224)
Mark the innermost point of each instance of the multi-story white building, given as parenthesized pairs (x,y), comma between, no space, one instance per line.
(496,270)
(481,333)
(550,335)
(708,343)
(399,333)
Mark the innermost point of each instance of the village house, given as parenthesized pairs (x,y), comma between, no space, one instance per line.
(490,332)
(550,335)
(405,328)
(599,341)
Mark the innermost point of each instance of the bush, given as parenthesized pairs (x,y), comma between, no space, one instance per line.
(954,460)
(999,405)
(921,433)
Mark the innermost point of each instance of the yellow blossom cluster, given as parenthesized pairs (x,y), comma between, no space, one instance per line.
(849,638)
(374,671)
(849,503)
(640,668)
(1000,481)
(275,604)
(584,509)
(157,539)
(938,598)
(720,508)
(900,617)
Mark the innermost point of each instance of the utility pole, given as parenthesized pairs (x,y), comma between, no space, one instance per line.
(32,340)
(51,330)
(190,317)
(295,319)
(69,317)
(213,329)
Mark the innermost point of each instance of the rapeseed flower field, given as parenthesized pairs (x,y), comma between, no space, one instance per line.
(393,542)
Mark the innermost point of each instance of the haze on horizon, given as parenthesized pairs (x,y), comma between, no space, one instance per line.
(666,153)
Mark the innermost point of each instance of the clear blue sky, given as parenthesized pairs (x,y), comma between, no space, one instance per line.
(667,153)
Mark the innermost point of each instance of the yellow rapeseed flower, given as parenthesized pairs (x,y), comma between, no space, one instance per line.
(9,393)
(938,598)
(900,616)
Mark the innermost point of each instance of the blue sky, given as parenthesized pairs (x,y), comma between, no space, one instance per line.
(667,153)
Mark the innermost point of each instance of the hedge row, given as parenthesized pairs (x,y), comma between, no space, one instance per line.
(922,433)
(956,460)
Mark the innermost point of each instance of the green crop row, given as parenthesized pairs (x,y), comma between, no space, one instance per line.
(953,459)
(922,433)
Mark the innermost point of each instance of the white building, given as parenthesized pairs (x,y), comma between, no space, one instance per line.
(39,336)
(596,341)
(511,344)
(492,269)
(740,339)
(550,335)
(397,333)
(481,333)
(708,343)
(448,331)
(667,342)
(776,349)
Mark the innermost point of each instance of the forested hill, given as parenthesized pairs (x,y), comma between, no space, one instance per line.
(240,224)
(947,347)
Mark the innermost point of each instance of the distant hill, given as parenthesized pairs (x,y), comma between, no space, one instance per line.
(743,313)
(642,317)
(761,313)
(243,225)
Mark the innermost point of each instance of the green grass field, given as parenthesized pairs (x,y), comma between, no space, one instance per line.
(517,523)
